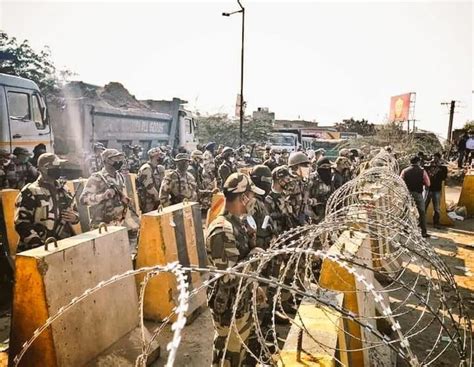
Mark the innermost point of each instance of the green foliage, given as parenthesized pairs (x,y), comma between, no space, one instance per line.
(20,59)
(361,127)
(222,130)
(469,125)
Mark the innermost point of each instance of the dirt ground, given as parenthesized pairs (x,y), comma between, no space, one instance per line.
(455,246)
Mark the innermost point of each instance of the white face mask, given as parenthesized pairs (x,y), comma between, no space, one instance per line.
(277,156)
(304,172)
(231,159)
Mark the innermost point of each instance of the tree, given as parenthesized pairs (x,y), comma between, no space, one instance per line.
(469,125)
(361,127)
(20,59)
(221,129)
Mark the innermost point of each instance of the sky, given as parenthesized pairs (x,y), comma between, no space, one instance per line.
(315,60)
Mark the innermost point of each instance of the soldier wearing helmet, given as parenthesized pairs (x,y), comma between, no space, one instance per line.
(228,164)
(44,208)
(19,170)
(229,242)
(300,168)
(94,160)
(148,182)
(178,184)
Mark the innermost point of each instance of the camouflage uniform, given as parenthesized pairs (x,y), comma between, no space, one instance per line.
(94,160)
(227,243)
(149,180)
(204,188)
(319,191)
(19,174)
(38,210)
(209,170)
(94,164)
(177,186)
(110,211)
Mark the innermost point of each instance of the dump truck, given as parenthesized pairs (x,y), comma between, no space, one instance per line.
(87,114)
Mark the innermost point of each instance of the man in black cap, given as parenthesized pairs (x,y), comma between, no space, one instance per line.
(437,172)
(415,178)
(37,151)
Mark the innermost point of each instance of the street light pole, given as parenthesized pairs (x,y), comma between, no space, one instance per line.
(242,76)
(241,112)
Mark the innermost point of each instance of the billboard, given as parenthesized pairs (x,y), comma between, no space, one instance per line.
(400,107)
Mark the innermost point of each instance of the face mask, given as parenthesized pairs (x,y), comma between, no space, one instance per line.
(24,159)
(250,206)
(277,156)
(117,165)
(231,159)
(54,173)
(304,172)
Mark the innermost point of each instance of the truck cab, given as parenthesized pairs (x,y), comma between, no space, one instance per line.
(280,140)
(24,118)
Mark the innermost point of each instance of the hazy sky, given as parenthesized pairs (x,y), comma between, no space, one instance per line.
(321,61)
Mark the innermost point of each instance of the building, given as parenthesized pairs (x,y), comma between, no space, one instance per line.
(263,114)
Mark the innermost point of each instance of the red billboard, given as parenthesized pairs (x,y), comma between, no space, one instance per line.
(400,107)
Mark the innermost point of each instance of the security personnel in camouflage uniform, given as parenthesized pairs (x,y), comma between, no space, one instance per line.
(44,208)
(228,165)
(204,192)
(320,186)
(5,159)
(262,178)
(277,200)
(341,173)
(178,184)
(94,161)
(105,191)
(229,242)
(209,167)
(20,171)
(272,162)
(283,158)
(149,178)
(301,203)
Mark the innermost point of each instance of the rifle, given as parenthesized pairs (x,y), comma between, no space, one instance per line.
(121,196)
(62,223)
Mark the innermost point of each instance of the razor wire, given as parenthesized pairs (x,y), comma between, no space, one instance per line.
(415,297)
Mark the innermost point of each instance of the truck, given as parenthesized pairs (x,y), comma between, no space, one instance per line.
(24,117)
(68,125)
(110,115)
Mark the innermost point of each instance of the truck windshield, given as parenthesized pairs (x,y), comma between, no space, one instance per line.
(282,140)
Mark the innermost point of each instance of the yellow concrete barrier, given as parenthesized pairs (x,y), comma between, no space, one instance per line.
(443,218)
(217,206)
(47,279)
(326,343)
(356,298)
(467,194)
(8,198)
(131,188)
(173,234)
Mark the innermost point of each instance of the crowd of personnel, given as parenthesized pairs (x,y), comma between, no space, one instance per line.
(261,202)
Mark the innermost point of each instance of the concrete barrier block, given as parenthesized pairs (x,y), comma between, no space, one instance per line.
(173,234)
(46,280)
(8,198)
(467,194)
(325,344)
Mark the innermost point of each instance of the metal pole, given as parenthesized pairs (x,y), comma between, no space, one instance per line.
(242,76)
(451,117)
